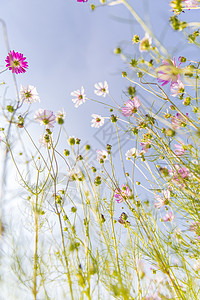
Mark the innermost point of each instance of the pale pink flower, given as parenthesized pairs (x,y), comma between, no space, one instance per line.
(131,107)
(178,120)
(45,117)
(101,89)
(16,62)
(190,3)
(132,153)
(29,94)
(161,201)
(145,43)
(102,155)
(179,173)
(179,149)
(97,121)
(145,146)
(45,140)
(177,88)
(168,217)
(168,71)
(122,194)
(80,97)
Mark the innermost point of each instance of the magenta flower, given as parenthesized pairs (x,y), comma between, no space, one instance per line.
(179,149)
(16,62)
(168,217)
(45,117)
(179,173)
(82,0)
(168,71)
(177,88)
(122,194)
(178,120)
(131,107)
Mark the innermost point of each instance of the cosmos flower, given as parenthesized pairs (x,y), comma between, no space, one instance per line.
(101,89)
(122,194)
(145,43)
(145,146)
(131,107)
(177,88)
(97,121)
(132,153)
(179,149)
(45,117)
(178,120)
(168,217)
(102,155)
(60,116)
(16,62)
(190,3)
(168,71)
(80,97)
(161,201)
(29,94)
(179,173)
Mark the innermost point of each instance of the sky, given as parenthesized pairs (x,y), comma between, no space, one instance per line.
(68,46)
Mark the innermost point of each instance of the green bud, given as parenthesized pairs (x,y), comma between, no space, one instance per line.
(66,152)
(73,209)
(10,108)
(87,147)
(117,51)
(113,119)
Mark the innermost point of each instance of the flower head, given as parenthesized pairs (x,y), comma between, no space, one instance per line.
(45,117)
(102,155)
(161,201)
(190,3)
(145,43)
(132,153)
(131,107)
(178,120)
(29,94)
(97,121)
(168,71)
(179,149)
(145,146)
(16,62)
(122,194)
(177,88)
(101,89)
(123,219)
(168,217)
(80,97)
(60,116)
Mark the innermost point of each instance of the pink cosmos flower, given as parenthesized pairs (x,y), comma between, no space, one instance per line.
(45,117)
(122,194)
(179,172)
(190,3)
(80,97)
(102,155)
(145,146)
(177,88)
(168,71)
(196,228)
(29,94)
(169,217)
(179,149)
(16,62)
(97,121)
(161,201)
(131,107)
(178,120)
(101,89)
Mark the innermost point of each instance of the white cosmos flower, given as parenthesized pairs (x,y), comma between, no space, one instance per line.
(29,94)
(97,121)
(131,153)
(102,155)
(80,97)
(101,89)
